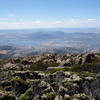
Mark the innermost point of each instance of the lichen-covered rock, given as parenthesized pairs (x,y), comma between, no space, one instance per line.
(28,74)
(66,97)
(25,62)
(78,60)
(72,88)
(44,97)
(87,58)
(58,97)
(6,96)
(17,85)
(38,89)
(51,96)
(62,91)
(84,58)
(67,62)
(82,97)
(92,88)
(75,78)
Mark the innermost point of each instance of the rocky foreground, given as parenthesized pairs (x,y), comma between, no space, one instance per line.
(51,77)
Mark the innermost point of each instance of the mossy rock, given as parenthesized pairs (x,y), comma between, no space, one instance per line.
(27,95)
(5,83)
(19,86)
(69,84)
(24,97)
(73,88)
(82,97)
(6,96)
(51,96)
(8,88)
(1,88)
(86,74)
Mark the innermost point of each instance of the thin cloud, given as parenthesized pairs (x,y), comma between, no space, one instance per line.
(59,22)
(38,22)
(4,19)
(91,20)
(11,15)
(74,20)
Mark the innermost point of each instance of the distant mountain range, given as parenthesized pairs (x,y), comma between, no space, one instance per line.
(28,42)
(9,51)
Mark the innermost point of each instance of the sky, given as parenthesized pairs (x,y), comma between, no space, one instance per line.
(28,14)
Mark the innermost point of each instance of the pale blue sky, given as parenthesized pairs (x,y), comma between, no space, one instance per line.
(49,13)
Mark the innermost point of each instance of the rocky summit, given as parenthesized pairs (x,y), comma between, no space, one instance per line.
(51,77)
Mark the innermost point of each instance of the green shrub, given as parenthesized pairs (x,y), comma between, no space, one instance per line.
(38,67)
(86,67)
(18,60)
(6,83)
(51,96)
(55,70)
(91,67)
(1,88)
(96,60)
(8,88)
(86,74)
(24,97)
(5,75)
(76,68)
(41,66)
(71,84)
(17,85)
(7,96)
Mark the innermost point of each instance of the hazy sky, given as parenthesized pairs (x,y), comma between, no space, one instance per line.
(18,14)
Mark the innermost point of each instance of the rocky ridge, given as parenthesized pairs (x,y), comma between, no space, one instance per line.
(51,77)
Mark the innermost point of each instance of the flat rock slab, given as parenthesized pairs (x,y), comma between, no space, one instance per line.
(58,67)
